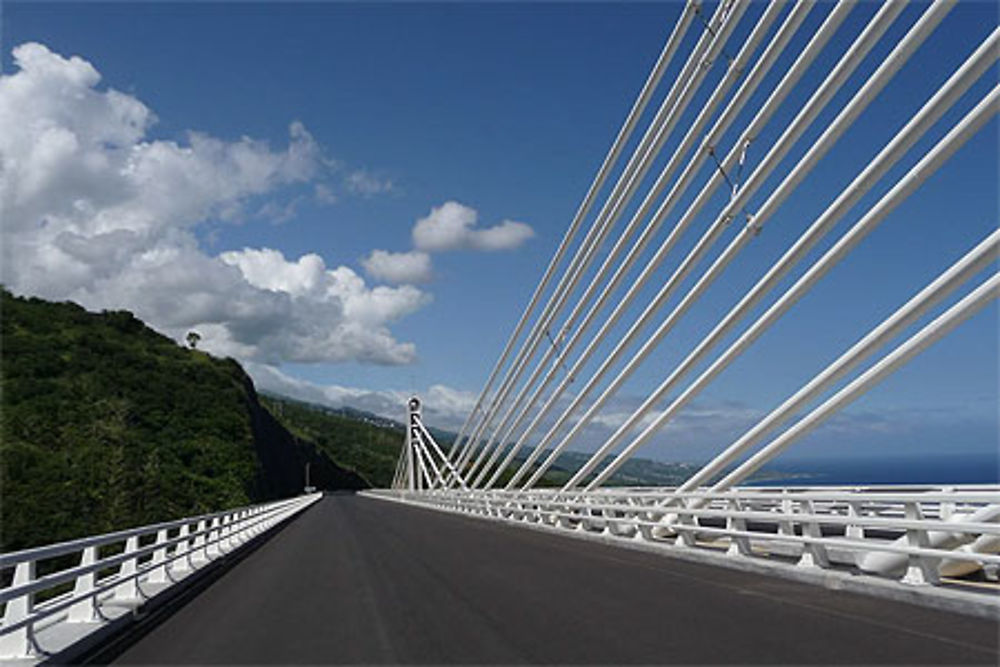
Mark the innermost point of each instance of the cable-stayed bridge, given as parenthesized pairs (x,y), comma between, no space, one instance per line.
(736,124)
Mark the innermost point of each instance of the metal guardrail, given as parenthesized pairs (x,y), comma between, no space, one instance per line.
(117,573)
(913,535)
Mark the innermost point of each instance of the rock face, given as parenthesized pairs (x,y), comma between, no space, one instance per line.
(282,457)
(107,424)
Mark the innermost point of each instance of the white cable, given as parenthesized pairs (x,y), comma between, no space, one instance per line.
(937,156)
(642,100)
(781,91)
(777,45)
(807,114)
(957,85)
(947,95)
(628,181)
(961,311)
(985,253)
(444,459)
(732,73)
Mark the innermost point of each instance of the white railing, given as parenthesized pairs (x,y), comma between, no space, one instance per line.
(913,535)
(115,574)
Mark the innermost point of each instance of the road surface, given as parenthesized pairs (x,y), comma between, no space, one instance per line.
(362,581)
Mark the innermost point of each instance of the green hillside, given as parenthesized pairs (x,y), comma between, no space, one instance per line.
(106,424)
(369,445)
(364,444)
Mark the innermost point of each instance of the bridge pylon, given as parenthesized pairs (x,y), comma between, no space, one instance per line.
(422,463)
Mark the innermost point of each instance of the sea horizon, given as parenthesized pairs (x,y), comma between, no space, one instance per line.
(942,468)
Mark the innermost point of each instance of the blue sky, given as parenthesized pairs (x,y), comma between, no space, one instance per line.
(508,109)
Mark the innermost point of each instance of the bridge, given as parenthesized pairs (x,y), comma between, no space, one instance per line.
(478,553)
(355,580)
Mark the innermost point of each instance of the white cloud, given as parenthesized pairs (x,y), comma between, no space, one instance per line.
(698,433)
(443,407)
(367,184)
(279,213)
(398,267)
(268,269)
(336,316)
(97,212)
(452,226)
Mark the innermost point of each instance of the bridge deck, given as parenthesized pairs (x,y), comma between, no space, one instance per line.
(358,580)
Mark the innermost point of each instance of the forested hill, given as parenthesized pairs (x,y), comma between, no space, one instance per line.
(361,442)
(369,445)
(106,424)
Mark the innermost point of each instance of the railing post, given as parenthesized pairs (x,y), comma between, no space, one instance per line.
(248,529)
(685,538)
(813,555)
(785,526)
(643,531)
(584,520)
(212,550)
(128,589)
(854,531)
(547,517)
(738,545)
(620,528)
(85,611)
(21,642)
(947,509)
(158,575)
(182,564)
(198,552)
(226,544)
(220,536)
(239,528)
(920,570)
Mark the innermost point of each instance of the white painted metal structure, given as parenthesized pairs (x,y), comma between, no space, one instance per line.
(754,96)
(746,96)
(96,581)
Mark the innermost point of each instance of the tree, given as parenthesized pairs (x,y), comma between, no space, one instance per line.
(192,339)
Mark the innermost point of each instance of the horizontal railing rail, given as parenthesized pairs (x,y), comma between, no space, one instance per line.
(71,546)
(913,535)
(154,557)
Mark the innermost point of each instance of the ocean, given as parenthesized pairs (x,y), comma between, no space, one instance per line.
(982,468)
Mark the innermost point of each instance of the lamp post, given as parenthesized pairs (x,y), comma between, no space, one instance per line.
(309,488)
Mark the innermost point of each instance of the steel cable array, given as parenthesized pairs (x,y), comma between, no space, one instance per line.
(734,113)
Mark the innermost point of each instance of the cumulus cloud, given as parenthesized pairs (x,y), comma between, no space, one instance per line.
(452,226)
(398,267)
(97,212)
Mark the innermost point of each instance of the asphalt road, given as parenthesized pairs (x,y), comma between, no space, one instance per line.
(363,581)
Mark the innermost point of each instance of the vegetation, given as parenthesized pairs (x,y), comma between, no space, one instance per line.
(106,424)
(635,471)
(370,445)
(359,442)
